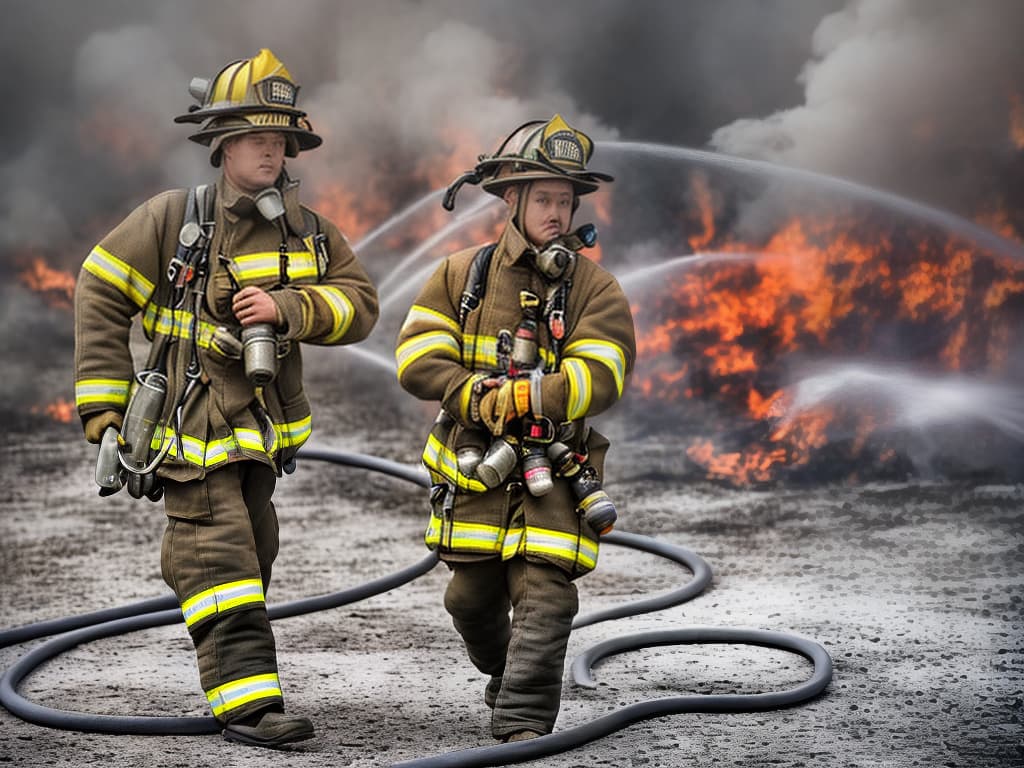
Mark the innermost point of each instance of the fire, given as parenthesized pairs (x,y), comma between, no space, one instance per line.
(56,286)
(722,334)
(1017,120)
(60,410)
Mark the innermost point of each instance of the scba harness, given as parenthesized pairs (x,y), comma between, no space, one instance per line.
(131,456)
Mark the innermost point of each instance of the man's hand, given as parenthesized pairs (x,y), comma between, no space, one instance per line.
(97,424)
(253,305)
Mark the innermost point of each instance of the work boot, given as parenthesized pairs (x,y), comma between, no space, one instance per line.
(523,736)
(491,691)
(274,729)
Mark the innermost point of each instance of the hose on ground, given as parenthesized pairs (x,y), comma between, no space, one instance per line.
(83,628)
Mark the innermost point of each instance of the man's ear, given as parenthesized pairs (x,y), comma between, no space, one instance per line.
(511,196)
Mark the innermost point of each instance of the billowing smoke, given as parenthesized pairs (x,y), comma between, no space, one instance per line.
(919,97)
(915,96)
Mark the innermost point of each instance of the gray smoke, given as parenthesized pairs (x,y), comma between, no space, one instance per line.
(911,95)
(393,87)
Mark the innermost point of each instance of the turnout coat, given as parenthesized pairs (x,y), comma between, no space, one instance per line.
(226,419)
(439,359)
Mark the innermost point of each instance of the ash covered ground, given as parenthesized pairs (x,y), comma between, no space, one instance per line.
(913,587)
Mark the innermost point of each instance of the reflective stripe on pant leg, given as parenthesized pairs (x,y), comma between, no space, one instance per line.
(479,605)
(209,549)
(544,603)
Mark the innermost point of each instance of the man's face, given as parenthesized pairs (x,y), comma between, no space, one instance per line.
(253,161)
(548,210)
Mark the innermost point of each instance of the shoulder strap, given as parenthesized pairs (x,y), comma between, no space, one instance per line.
(315,240)
(476,282)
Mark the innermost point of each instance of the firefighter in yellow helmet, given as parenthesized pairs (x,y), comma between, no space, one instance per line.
(228,279)
(520,341)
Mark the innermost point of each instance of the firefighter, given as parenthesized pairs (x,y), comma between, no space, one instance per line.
(519,342)
(228,279)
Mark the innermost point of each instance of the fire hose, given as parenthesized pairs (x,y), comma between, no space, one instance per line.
(72,631)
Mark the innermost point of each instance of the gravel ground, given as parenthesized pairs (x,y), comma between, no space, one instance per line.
(914,589)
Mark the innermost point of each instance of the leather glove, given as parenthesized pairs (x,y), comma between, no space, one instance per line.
(225,343)
(499,406)
(97,424)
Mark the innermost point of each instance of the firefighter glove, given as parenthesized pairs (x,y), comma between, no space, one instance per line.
(97,424)
(499,406)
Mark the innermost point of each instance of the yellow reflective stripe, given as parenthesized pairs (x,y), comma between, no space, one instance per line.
(341,308)
(477,537)
(233,695)
(176,323)
(432,536)
(439,342)
(220,598)
(466,395)
(512,544)
(106,391)
(442,460)
(107,267)
(294,433)
(481,352)
(252,267)
(474,537)
(216,452)
(432,317)
(566,546)
(577,377)
(611,355)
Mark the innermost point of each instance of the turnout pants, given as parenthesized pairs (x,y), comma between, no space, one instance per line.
(218,550)
(526,651)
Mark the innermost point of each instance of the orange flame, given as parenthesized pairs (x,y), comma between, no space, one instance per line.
(56,286)
(718,330)
(60,410)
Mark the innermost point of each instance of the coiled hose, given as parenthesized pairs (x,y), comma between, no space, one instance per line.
(145,614)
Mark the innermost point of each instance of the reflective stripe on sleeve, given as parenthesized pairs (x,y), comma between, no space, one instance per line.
(440,343)
(340,306)
(112,392)
(604,352)
(430,318)
(107,267)
(577,377)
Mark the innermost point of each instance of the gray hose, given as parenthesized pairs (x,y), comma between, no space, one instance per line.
(164,610)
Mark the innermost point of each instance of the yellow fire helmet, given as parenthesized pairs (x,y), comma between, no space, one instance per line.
(246,96)
(536,150)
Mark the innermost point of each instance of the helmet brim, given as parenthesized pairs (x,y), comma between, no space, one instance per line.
(583,183)
(304,139)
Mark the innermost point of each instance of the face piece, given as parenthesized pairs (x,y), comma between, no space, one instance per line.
(254,161)
(546,211)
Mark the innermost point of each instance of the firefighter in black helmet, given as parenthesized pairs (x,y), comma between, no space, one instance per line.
(228,280)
